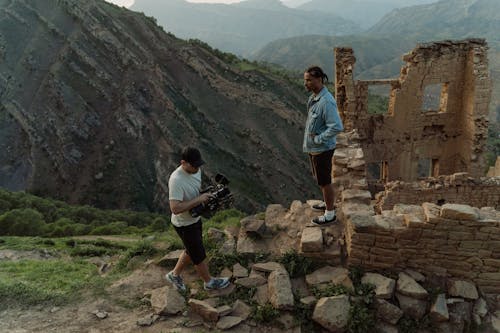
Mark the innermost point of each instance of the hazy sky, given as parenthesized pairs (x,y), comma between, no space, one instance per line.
(128,3)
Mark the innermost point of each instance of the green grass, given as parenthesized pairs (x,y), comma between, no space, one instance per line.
(30,282)
(30,243)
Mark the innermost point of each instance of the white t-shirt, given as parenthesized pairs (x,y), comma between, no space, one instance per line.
(183,186)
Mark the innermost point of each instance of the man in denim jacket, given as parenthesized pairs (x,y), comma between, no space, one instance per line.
(322,126)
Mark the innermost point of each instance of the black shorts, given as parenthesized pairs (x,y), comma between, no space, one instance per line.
(321,165)
(191,236)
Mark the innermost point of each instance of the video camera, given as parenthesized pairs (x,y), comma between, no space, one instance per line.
(220,198)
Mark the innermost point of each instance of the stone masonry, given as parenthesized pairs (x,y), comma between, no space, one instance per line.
(444,224)
(452,135)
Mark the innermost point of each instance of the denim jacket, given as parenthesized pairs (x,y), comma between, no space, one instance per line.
(323,123)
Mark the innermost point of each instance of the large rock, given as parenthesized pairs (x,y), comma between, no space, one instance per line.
(241,309)
(247,245)
(167,300)
(463,289)
(323,275)
(384,287)
(332,312)
(388,312)
(253,226)
(459,212)
(439,310)
(311,240)
(239,271)
(170,259)
(406,285)
(495,322)
(251,281)
(415,308)
(228,322)
(205,310)
(261,295)
(280,290)
(460,315)
(386,328)
(268,267)
(480,307)
(358,196)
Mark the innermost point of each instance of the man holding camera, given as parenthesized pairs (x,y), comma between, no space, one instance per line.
(184,187)
(322,126)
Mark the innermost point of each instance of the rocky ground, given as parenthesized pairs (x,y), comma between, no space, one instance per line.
(266,295)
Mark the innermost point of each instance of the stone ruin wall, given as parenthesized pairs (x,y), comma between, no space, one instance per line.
(452,136)
(453,240)
(403,226)
(457,188)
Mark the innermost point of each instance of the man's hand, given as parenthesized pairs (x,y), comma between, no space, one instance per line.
(178,207)
(205,197)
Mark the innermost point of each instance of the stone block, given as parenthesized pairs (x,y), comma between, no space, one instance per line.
(439,310)
(459,212)
(407,286)
(167,301)
(358,196)
(384,287)
(387,311)
(311,240)
(205,310)
(463,289)
(332,312)
(280,290)
(415,308)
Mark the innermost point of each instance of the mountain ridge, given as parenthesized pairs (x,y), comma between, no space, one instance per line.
(239,28)
(99,100)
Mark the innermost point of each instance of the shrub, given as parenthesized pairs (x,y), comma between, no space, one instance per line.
(160,224)
(295,264)
(4,206)
(22,222)
(265,313)
(114,228)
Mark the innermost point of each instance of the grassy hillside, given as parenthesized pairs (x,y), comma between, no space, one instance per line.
(23,214)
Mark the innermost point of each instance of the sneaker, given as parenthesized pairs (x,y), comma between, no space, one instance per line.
(321,220)
(176,281)
(217,283)
(320,206)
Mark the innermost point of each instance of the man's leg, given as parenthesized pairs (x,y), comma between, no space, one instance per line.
(183,261)
(202,269)
(328,196)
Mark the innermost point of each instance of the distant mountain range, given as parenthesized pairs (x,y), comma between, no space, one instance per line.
(379,50)
(96,102)
(363,12)
(244,27)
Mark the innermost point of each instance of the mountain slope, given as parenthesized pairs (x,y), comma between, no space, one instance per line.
(298,53)
(363,12)
(241,28)
(379,51)
(97,101)
(445,19)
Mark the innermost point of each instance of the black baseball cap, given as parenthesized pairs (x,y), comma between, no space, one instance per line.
(192,156)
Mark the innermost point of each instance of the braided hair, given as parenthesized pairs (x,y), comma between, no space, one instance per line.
(316,71)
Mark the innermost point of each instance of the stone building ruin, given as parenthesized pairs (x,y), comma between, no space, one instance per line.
(412,182)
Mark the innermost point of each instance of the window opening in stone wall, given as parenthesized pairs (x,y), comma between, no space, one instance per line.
(378,98)
(424,168)
(435,167)
(384,174)
(373,171)
(435,98)
(377,171)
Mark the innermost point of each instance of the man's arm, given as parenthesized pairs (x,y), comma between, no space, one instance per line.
(178,207)
(332,121)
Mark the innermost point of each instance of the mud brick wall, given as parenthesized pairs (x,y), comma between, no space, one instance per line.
(458,188)
(457,241)
(453,135)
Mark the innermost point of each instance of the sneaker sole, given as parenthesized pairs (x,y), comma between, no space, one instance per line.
(220,288)
(174,284)
(325,223)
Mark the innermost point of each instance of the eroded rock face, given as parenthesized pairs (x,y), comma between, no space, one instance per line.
(122,98)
